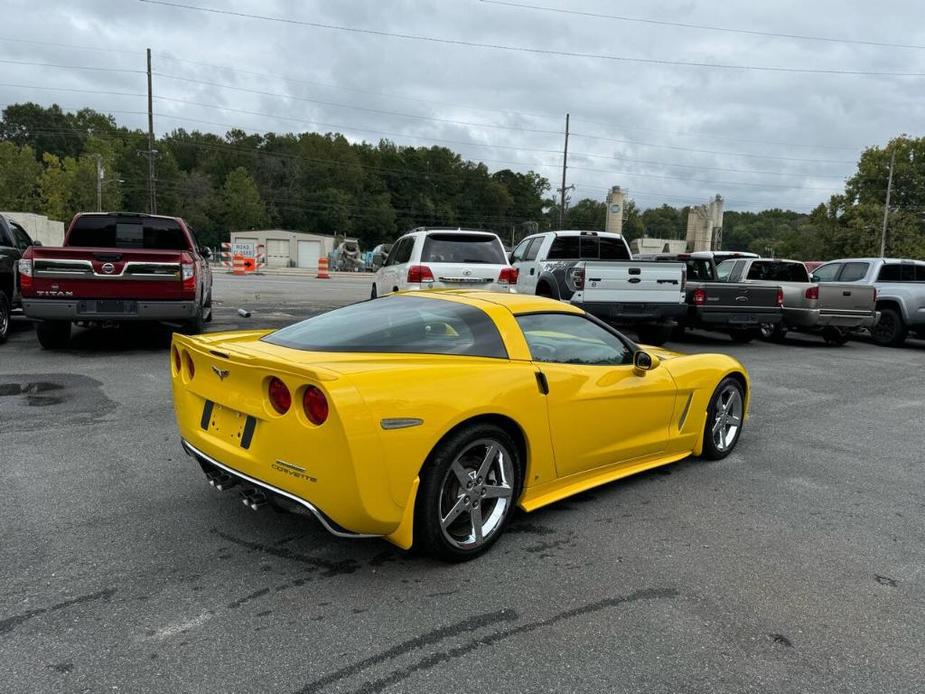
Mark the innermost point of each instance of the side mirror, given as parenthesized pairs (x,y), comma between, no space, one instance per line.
(813,278)
(36,242)
(643,361)
(206,252)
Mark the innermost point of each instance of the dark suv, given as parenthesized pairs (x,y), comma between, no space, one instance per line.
(13,242)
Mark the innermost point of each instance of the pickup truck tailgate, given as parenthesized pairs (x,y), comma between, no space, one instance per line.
(93,273)
(846,298)
(633,282)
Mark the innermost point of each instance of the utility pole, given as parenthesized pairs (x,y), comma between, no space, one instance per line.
(563,189)
(886,207)
(99,183)
(152,193)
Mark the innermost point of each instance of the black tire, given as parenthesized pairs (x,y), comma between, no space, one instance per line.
(773,332)
(834,336)
(678,332)
(374,294)
(442,493)
(197,325)
(890,330)
(655,335)
(743,335)
(713,449)
(5,311)
(53,334)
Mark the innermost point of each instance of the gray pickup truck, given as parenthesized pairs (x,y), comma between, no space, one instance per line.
(900,285)
(735,308)
(833,310)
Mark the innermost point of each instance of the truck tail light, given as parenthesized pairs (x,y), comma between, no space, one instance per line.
(25,274)
(280,397)
(780,296)
(419,273)
(315,405)
(578,278)
(508,275)
(812,292)
(188,273)
(700,297)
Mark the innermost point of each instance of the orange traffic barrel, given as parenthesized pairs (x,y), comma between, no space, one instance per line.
(238,264)
(323,269)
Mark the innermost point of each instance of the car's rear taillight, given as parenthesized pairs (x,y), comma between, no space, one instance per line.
(25,273)
(419,273)
(177,364)
(315,405)
(188,272)
(577,276)
(700,297)
(280,397)
(812,292)
(190,366)
(508,275)
(780,296)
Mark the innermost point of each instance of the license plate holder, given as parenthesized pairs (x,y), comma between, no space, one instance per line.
(108,306)
(228,424)
(743,319)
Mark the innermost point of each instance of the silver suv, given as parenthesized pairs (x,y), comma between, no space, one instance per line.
(900,286)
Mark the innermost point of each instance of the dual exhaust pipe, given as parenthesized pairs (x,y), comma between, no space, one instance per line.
(252,498)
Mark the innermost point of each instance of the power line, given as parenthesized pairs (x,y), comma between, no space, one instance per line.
(68,89)
(707,27)
(536,51)
(71,67)
(56,44)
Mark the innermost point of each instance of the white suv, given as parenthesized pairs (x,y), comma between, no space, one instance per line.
(445,259)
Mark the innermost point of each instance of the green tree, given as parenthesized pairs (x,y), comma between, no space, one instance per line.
(19,176)
(586,214)
(56,186)
(242,206)
(664,222)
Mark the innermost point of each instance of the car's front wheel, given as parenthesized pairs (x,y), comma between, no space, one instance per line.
(725,417)
(467,493)
(4,316)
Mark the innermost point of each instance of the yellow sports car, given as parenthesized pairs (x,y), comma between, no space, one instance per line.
(424,418)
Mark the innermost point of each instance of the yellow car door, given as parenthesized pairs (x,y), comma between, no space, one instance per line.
(601,410)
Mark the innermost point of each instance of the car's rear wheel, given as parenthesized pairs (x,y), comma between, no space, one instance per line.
(890,330)
(4,316)
(467,494)
(834,336)
(743,335)
(774,332)
(197,325)
(655,334)
(53,334)
(725,417)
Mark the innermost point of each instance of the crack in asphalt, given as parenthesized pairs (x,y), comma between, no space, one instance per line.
(463,649)
(430,638)
(10,623)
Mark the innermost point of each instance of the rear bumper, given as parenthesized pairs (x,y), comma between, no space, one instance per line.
(87,309)
(635,314)
(809,318)
(329,525)
(737,318)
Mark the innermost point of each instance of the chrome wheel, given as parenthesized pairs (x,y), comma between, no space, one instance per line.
(727,418)
(476,494)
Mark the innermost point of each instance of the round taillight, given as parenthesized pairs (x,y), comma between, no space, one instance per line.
(176,359)
(190,366)
(315,405)
(280,397)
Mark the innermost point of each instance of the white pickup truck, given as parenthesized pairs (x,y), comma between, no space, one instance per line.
(595,271)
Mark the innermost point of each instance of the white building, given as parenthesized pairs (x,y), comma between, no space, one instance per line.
(39,227)
(289,248)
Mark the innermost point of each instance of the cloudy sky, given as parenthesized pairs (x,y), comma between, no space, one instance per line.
(667,132)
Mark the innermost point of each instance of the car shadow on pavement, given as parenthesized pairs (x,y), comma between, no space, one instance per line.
(120,339)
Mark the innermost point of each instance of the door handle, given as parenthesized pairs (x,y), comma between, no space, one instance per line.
(635,280)
(532,270)
(542,383)
(846,293)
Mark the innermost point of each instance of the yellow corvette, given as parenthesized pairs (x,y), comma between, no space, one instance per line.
(424,418)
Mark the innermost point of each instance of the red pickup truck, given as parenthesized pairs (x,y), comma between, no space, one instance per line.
(116,267)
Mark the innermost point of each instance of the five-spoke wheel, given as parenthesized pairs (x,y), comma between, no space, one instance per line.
(725,416)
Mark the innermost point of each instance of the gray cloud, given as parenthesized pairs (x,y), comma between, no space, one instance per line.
(652,115)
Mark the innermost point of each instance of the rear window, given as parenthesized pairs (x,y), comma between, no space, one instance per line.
(462,248)
(399,324)
(588,247)
(778,272)
(127,232)
(699,270)
(852,272)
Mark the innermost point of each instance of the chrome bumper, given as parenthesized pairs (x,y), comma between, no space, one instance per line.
(328,524)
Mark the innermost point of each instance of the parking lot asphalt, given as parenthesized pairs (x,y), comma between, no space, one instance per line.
(794,565)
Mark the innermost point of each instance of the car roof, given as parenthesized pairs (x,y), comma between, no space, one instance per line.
(886,261)
(515,303)
(450,230)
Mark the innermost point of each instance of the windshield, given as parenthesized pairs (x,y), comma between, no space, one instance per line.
(91,231)
(463,248)
(398,324)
